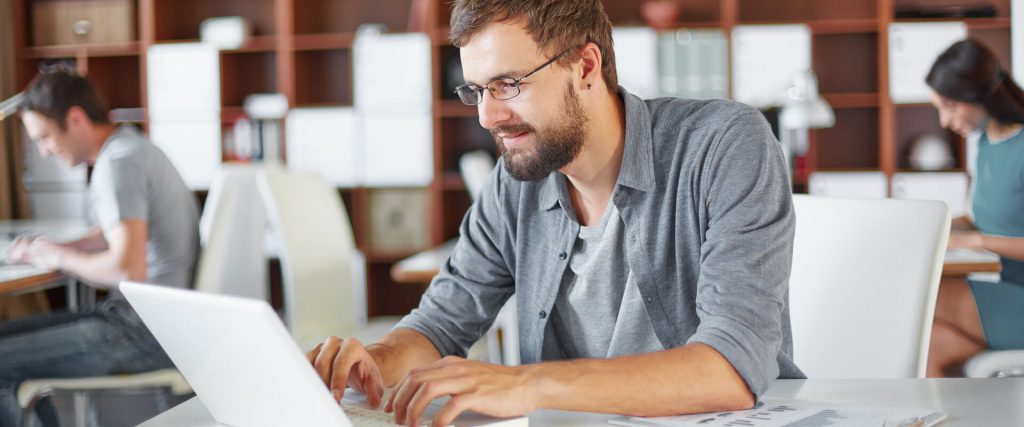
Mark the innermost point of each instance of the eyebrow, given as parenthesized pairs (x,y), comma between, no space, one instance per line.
(505,75)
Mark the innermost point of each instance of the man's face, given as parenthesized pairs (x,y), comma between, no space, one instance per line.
(959,117)
(51,140)
(541,129)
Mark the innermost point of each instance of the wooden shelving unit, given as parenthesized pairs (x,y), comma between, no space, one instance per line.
(303,49)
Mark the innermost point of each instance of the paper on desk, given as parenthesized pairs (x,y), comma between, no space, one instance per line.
(970,256)
(795,413)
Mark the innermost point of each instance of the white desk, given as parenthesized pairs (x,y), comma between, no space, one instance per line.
(969,402)
(17,279)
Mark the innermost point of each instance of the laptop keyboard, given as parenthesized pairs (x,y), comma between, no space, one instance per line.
(365,417)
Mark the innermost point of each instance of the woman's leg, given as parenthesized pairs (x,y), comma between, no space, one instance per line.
(956,332)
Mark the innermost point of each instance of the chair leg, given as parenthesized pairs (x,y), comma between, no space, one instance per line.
(28,412)
(81,408)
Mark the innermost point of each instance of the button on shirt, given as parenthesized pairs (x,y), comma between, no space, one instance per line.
(704,197)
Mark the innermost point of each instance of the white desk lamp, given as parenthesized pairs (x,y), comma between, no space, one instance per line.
(10,105)
(803,109)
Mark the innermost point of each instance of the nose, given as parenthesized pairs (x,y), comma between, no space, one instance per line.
(492,111)
(44,150)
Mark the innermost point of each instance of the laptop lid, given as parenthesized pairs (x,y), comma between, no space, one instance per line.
(238,357)
(244,365)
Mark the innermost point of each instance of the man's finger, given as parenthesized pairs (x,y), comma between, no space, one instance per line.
(374,387)
(325,358)
(311,355)
(432,390)
(350,354)
(451,410)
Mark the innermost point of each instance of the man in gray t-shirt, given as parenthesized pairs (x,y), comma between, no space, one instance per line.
(147,232)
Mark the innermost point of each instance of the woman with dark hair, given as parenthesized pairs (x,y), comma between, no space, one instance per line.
(973,93)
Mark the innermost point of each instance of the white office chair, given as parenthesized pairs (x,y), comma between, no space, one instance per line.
(324,293)
(863,287)
(232,231)
(994,363)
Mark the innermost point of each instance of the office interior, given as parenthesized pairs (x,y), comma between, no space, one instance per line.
(361,96)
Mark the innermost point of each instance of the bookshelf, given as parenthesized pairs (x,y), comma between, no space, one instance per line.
(303,49)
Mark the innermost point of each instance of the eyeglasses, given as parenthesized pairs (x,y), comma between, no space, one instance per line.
(500,89)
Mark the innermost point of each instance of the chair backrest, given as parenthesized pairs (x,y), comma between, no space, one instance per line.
(475,167)
(863,287)
(317,250)
(231,231)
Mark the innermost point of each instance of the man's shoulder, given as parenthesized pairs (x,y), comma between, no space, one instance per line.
(126,143)
(711,114)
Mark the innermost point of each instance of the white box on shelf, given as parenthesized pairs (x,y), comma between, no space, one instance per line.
(949,187)
(913,47)
(636,60)
(856,185)
(392,70)
(397,148)
(192,142)
(327,141)
(183,77)
(765,58)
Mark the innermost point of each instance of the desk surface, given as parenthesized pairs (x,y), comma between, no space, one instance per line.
(968,402)
(423,266)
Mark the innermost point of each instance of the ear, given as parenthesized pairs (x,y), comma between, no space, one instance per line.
(590,72)
(75,117)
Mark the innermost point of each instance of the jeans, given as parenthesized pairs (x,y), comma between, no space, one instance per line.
(108,340)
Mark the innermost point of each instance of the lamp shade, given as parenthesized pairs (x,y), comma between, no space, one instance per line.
(804,108)
(11,105)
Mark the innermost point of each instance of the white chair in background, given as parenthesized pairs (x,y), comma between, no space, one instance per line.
(324,285)
(863,286)
(231,232)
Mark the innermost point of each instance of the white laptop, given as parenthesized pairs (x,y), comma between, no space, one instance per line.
(246,368)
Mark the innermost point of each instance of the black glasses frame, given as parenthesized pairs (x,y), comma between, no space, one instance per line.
(464,91)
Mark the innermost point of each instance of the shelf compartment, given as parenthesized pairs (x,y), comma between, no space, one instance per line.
(117,78)
(323,77)
(846,63)
(851,144)
(914,121)
(180,19)
(692,13)
(461,135)
(758,11)
(338,16)
(246,73)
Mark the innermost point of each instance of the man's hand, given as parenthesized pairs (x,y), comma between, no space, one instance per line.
(39,252)
(342,363)
(498,391)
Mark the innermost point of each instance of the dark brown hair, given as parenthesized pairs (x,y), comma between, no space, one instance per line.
(52,94)
(555,25)
(969,72)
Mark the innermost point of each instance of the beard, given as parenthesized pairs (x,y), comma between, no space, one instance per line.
(554,146)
